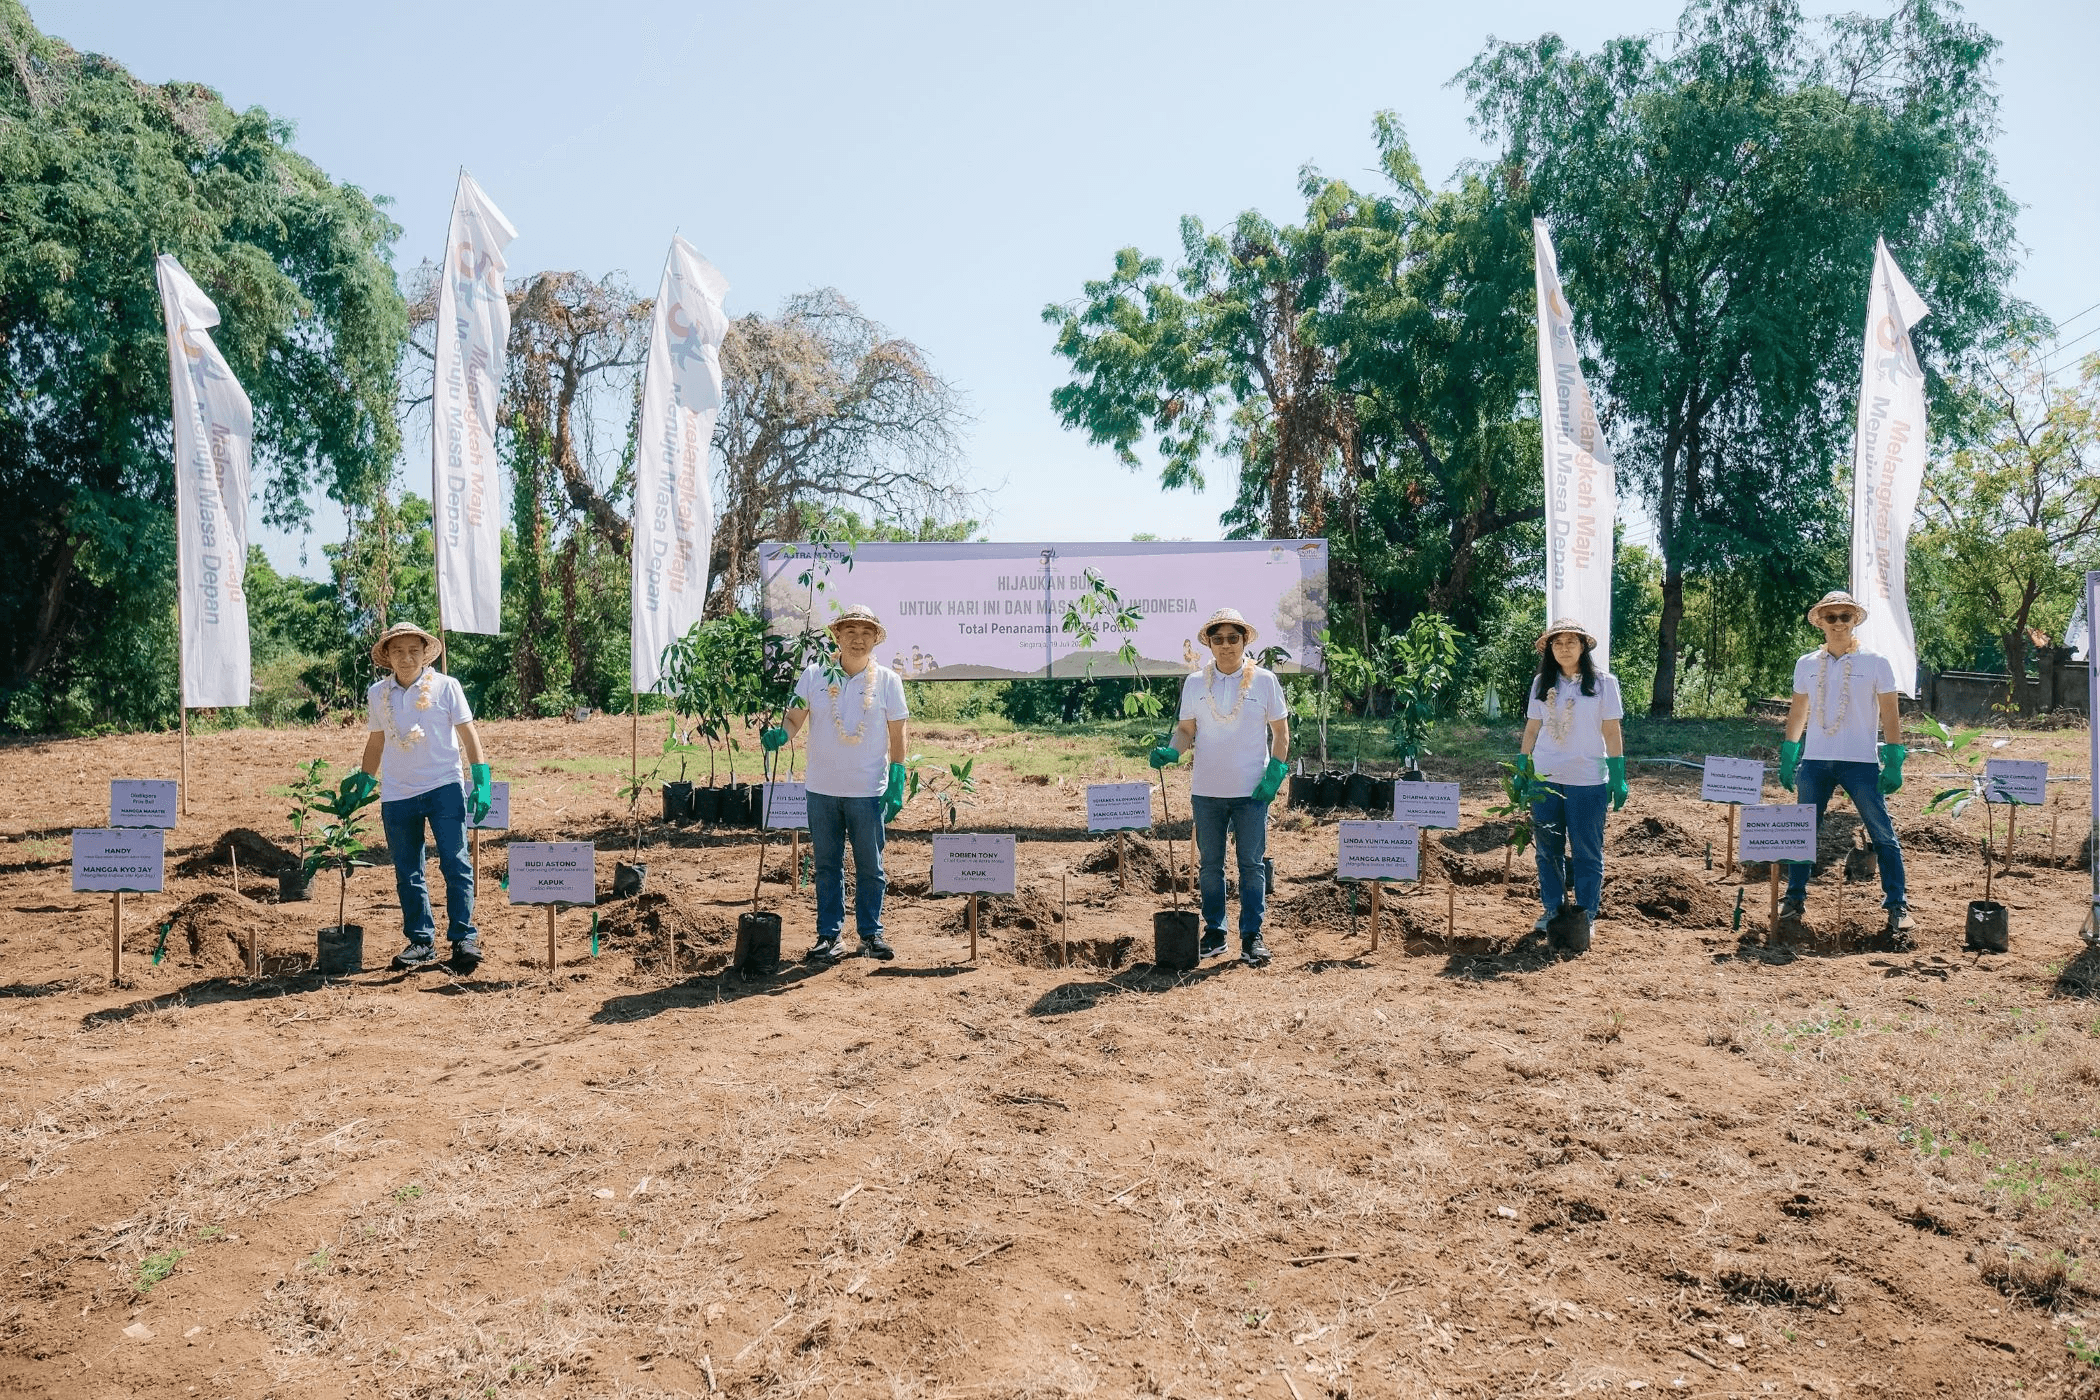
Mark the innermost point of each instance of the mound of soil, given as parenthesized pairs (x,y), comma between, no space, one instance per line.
(1671,897)
(646,925)
(1654,835)
(257,852)
(212,934)
(1147,862)
(1486,839)
(1028,910)
(1039,948)
(1941,838)
(1346,908)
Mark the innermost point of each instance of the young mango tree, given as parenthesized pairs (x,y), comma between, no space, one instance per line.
(1097,609)
(340,845)
(1422,662)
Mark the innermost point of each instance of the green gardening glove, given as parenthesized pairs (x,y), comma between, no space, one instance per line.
(893,795)
(1615,765)
(1164,756)
(1789,757)
(358,789)
(1892,756)
(773,738)
(478,800)
(1271,779)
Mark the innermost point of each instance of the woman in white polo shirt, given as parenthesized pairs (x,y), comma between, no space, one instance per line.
(1572,738)
(856,778)
(1233,713)
(1842,696)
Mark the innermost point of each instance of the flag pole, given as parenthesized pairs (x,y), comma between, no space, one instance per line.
(182,698)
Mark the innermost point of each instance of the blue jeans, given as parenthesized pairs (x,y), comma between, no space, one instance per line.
(1815,780)
(833,821)
(445,808)
(1248,821)
(1577,813)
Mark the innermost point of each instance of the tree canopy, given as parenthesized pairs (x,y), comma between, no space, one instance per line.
(98,173)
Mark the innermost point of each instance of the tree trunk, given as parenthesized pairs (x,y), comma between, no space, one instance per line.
(1664,701)
(44,644)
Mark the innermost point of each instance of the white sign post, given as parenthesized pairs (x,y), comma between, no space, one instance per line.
(142,802)
(2018,781)
(786,806)
(1377,852)
(973,863)
(552,873)
(1739,782)
(1426,804)
(1782,832)
(1119,807)
(117,863)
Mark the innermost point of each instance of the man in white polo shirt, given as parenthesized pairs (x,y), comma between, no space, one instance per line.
(855,776)
(1233,714)
(1842,696)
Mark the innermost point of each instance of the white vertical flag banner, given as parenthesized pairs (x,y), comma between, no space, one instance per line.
(1888,467)
(473,326)
(673,509)
(214,432)
(1581,485)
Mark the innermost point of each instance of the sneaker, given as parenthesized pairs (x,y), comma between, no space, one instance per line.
(873,946)
(1253,951)
(1213,944)
(415,956)
(1900,920)
(826,951)
(1792,911)
(466,956)
(1541,925)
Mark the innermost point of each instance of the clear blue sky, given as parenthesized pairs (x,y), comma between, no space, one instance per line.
(951,168)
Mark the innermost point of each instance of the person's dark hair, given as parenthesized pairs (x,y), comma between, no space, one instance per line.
(1549,671)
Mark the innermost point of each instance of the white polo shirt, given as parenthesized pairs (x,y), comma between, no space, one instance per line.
(1232,729)
(1570,747)
(418,719)
(862,710)
(1844,703)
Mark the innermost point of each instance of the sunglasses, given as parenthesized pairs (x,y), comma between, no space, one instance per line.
(1227,634)
(1840,616)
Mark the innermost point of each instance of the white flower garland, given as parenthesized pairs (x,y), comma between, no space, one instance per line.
(1831,727)
(1210,678)
(415,734)
(1560,719)
(867,704)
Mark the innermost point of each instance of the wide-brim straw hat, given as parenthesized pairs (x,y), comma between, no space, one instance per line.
(432,647)
(1837,598)
(1222,617)
(859,612)
(1564,624)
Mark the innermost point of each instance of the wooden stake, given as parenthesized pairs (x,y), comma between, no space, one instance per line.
(184,786)
(477,859)
(2012,818)
(1729,869)
(255,951)
(973,928)
(2053,814)
(1377,889)
(234,852)
(1122,865)
(1508,853)
(550,941)
(1064,922)
(795,857)
(1450,912)
(1772,912)
(116,937)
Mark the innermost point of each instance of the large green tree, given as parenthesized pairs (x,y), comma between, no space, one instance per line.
(98,173)
(1714,195)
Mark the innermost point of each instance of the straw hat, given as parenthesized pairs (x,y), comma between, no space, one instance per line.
(1837,598)
(859,612)
(1564,624)
(1220,618)
(432,647)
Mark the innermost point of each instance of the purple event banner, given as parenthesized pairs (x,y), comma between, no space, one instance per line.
(964,612)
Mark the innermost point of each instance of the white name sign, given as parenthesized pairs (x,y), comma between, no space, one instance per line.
(498,818)
(552,872)
(973,863)
(1119,806)
(131,861)
(1426,804)
(1737,780)
(1379,851)
(786,806)
(2020,780)
(1785,831)
(142,802)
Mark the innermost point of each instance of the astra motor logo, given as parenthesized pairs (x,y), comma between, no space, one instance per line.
(207,365)
(1901,358)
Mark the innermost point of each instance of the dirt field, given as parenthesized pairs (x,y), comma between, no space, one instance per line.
(1691,1162)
